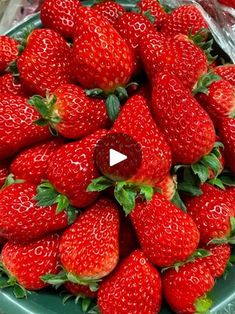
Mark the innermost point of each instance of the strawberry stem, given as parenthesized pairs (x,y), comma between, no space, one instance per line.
(11,180)
(203,304)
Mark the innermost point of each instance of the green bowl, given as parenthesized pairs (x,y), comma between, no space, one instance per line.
(48,302)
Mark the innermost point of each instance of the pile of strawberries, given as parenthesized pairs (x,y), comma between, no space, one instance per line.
(165,233)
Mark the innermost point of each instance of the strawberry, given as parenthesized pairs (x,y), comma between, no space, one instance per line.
(186,19)
(70,112)
(218,100)
(20,217)
(167,235)
(227,72)
(69,172)
(8,51)
(213,213)
(109,10)
(155,9)
(31,164)
(186,290)
(9,85)
(178,55)
(188,128)
(110,63)
(89,248)
(17,129)
(134,287)
(217,261)
(229,3)
(153,147)
(168,186)
(4,171)
(25,263)
(131,26)
(227,134)
(60,16)
(45,63)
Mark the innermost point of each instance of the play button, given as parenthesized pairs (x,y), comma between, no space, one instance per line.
(118,156)
(115,157)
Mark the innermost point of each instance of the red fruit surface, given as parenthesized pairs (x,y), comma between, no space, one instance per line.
(109,63)
(4,171)
(211,212)
(134,287)
(156,155)
(167,235)
(184,20)
(60,15)
(168,186)
(27,262)
(8,85)
(182,289)
(220,100)
(110,10)
(156,10)
(187,127)
(131,26)
(31,164)
(229,3)
(227,134)
(217,261)
(227,72)
(45,63)
(89,248)
(8,51)
(72,169)
(21,219)
(79,114)
(178,55)
(17,129)
(81,290)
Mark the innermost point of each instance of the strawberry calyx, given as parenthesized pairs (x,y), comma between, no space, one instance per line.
(7,281)
(63,276)
(227,239)
(10,179)
(225,179)
(125,192)
(205,82)
(203,304)
(229,265)
(80,298)
(113,100)
(46,108)
(198,254)
(47,196)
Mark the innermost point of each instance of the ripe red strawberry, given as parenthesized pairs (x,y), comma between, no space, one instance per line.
(168,186)
(89,249)
(167,235)
(80,290)
(186,290)
(109,63)
(229,3)
(217,261)
(227,72)
(72,168)
(213,214)
(131,26)
(110,10)
(4,171)
(8,85)
(70,112)
(8,51)
(155,9)
(31,164)
(186,19)
(25,263)
(45,63)
(17,129)
(188,128)
(219,100)
(153,147)
(20,217)
(178,55)
(134,287)
(227,134)
(60,16)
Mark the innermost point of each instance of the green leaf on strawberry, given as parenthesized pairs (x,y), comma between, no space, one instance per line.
(203,305)
(11,180)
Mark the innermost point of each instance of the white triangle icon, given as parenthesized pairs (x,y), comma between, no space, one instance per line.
(115,157)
